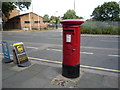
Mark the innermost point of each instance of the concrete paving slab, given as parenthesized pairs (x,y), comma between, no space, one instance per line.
(6,66)
(92,80)
(49,73)
(37,68)
(16,68)
(111,82)
(34,82)
(17,79)
(7,74)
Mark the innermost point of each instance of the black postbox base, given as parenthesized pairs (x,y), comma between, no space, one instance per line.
(71,71)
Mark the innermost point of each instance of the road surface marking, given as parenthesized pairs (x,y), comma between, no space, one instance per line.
(114,55)
(87,53)
(38,59)
(109,41)
(31,47)
(54,49)
(100,48)
(56,38)
(84,66)
(99,68)
(80,52)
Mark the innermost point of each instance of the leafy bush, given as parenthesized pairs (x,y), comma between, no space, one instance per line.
(93,27)
(45,28)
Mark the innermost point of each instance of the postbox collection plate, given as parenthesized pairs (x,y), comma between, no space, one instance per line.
(68,37)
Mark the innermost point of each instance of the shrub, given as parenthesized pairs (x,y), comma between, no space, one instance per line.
(93,27)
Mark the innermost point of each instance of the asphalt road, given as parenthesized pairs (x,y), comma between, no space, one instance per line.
(96,50)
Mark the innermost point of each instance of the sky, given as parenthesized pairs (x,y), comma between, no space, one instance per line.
(83,8)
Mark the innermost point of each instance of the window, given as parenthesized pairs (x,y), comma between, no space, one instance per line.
(36,21)
(27,21)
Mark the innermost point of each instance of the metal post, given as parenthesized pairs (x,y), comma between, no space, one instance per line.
(74,5)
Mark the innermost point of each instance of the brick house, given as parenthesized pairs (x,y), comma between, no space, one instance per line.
(25,21)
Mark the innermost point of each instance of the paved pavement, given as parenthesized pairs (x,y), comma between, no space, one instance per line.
(48,75)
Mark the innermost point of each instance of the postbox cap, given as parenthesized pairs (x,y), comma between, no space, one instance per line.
(72,22)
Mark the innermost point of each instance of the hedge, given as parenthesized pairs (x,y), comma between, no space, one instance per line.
(94,27)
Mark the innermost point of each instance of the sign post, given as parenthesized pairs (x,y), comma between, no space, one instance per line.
(6,53)
(20,55)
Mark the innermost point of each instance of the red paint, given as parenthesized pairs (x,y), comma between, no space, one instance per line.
(71,50)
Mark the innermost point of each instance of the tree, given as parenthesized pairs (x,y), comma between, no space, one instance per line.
(46,17)
(7,7)
(109,11)
(52,19)
(22,5)
(55,20)
(70,14)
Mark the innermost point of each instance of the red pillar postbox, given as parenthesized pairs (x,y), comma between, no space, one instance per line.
(71,48)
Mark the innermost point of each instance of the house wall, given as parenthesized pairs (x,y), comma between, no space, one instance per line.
(31,19)
(13,24)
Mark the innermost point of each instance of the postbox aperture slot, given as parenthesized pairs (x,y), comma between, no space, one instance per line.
(68,31)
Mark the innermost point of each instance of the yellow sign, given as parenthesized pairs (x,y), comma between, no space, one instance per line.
(23,58)
(20,49)
(20,52)
(21,55)
(15,44)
